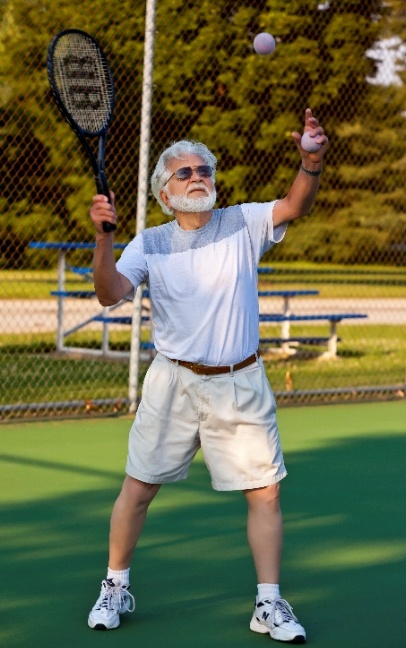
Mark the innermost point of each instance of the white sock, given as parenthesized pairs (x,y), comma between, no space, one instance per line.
(120,577)
(268,591)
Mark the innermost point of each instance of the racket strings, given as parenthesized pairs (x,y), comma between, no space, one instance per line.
(84,82)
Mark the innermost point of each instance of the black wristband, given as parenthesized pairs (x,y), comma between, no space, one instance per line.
(311,173)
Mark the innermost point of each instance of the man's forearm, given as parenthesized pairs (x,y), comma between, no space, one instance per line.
(107,280)
(303,191)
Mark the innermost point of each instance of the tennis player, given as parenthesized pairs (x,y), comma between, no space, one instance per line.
(206,388)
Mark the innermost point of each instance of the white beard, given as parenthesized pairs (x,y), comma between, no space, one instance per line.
(185,204)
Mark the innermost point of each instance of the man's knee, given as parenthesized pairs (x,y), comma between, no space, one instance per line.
(139,492)
(268,496)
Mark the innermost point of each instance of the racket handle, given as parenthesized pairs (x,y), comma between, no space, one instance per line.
(102,188)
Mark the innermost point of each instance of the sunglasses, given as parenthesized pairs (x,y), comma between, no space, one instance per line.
(185,173)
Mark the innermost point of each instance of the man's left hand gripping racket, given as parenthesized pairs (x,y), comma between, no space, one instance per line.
(83,89)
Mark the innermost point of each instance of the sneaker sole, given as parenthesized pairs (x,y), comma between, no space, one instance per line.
(299,639)
(101,626)
(256,626)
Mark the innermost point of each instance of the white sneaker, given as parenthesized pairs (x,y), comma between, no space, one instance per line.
(113,601)
(277,618)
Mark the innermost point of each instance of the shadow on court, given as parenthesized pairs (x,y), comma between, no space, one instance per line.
(343,568)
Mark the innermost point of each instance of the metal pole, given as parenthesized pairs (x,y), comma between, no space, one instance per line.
(61,288)
(142,197)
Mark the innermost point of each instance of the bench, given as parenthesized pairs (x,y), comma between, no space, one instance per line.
(287,295)
(80,270)
(105,318)
(75,294)
(312,340)
(127,321)
(63,248)
(332,318)
(118,319)
(102,316)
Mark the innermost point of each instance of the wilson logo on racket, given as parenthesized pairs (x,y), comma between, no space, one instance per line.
(83,88)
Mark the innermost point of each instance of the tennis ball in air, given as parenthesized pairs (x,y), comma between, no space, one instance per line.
(309,144)
(264,43)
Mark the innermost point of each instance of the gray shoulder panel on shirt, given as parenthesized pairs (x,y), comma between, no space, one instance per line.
(169,238)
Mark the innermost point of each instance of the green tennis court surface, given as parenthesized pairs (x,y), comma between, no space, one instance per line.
(344,562)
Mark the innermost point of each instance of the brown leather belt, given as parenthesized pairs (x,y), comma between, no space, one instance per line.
(208,370)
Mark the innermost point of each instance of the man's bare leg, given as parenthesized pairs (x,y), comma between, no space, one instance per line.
(265,531)
(127,520)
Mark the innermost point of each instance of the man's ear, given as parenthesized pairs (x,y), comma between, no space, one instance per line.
(164,197)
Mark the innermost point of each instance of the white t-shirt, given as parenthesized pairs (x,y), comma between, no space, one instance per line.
(203,283)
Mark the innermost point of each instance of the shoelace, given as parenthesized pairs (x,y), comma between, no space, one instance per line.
(115,598)
(282,606)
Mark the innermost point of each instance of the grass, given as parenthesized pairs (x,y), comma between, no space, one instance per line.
(39,378)
(36,284)
(368,355)
(338,282)
(332,281)
(28,284)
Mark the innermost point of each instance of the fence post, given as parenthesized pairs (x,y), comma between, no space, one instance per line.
(142,196)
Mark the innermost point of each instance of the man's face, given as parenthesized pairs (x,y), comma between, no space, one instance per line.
(194,194)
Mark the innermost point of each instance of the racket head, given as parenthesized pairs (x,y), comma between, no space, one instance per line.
(81,81)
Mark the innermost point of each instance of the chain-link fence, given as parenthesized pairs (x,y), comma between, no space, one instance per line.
(333,304)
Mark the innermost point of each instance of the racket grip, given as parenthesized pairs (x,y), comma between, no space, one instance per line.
(102,188)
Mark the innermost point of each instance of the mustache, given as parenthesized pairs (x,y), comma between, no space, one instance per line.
(197,185)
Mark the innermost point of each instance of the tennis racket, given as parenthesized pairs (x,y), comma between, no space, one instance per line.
(83,88)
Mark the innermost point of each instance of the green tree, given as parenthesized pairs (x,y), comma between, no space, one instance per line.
(210,85)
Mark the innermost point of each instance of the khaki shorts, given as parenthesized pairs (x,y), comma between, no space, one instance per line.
(232,417)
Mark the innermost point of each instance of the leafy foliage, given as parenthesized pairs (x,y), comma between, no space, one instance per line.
(210,85)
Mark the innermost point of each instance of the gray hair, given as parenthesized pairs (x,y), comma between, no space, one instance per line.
(177,150)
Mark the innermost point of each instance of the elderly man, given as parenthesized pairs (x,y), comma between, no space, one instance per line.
(206,387)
